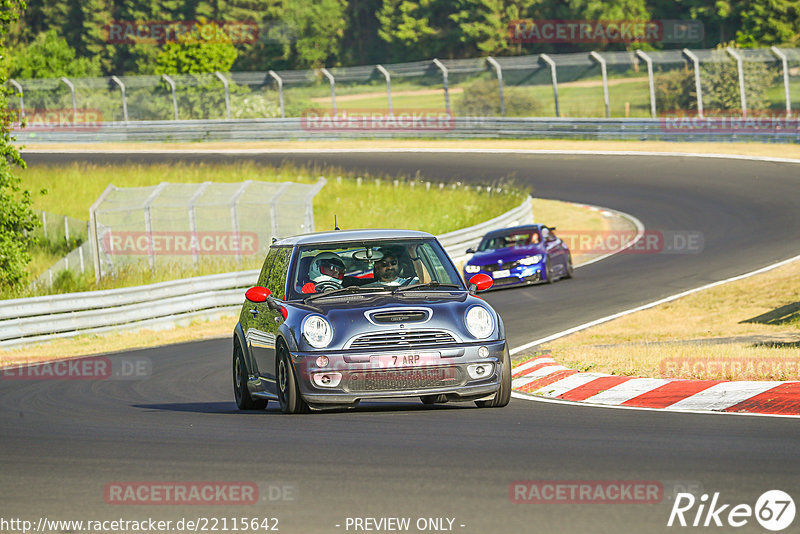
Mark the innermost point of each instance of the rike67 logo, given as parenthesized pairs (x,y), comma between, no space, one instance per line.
(774,510)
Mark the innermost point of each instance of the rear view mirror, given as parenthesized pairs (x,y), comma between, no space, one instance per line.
(480,282)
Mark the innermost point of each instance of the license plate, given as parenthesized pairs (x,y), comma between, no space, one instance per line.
(502,274)
(416,359)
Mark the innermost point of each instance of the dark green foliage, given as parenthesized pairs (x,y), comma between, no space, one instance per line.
(481,100)
(675,91)
(50,56)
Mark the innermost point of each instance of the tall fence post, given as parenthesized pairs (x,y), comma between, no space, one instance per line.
(740,68)
(171,83)
(74,99)
(227,94)
(193,218)
(499,70)
(94,236)
(273,208)
(279,81)
(697,87)
(124,98)
(328,75)
(309,215)
(442,68)
(148,223)
(547,59)
(13,82)
(785,66)
(650,80)
(597,57)
(235,218)
(388,86)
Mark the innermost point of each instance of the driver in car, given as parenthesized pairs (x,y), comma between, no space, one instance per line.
(387,271)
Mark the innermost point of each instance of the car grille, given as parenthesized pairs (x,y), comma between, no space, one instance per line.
(400,339)
(492,267)
(399,316)
(431,377)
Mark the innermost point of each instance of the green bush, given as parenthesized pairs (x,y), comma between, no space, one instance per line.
(482,99)
(675,90)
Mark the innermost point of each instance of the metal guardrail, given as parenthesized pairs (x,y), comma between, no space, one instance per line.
(778,130)
(31,320)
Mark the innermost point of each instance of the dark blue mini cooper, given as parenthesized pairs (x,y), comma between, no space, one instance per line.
(338,317)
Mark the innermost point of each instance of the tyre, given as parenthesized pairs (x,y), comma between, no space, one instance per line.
(569,269)
(503,395)
(288,392)
(433,399)
(548,271)
(240,392)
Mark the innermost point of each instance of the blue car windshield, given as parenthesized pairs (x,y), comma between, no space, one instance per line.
(370,266)
(515,239)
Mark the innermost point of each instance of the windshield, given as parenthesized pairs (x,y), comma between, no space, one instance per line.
(371,265)
(510,239)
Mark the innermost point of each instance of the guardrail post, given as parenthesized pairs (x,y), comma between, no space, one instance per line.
(193,217)
(235,218)
(499,70)
(333,87)
(547,59)
(227,94)
(442,68)
(740,69)
(698,89)
(174,97)
(13,82)
(647,59)
(388,86)
(279,81)
(597,57)
(124,98)
(94,237)
(74,100)
(785,65)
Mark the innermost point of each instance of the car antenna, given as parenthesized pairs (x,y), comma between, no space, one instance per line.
(335,224)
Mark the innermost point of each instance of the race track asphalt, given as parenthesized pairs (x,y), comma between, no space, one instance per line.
(63,442)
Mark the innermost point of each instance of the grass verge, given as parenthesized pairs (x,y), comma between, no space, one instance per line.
(743,330)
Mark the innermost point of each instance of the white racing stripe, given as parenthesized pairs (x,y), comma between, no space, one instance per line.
(724,395)
(627,390)
(536,375)
(530,364)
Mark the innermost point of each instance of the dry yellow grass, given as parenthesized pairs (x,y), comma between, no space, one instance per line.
(704,335)
(746,149)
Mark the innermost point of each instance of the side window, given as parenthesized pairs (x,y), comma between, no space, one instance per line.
(262,278)
(276,281)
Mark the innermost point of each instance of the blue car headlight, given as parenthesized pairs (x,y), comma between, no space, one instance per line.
(479,322)
(317,331)
(472,269)
(531,260)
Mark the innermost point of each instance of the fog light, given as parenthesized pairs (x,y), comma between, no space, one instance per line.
(322,361)
(483,352)
(327,380)
(480,370)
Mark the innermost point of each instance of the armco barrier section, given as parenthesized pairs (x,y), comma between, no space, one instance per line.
(777,130)
(31,320)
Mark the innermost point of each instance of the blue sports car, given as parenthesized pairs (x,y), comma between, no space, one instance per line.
(340,317)
(520,255)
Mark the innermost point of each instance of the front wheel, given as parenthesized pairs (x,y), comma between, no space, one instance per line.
(569,267)
(288,390)
(240,392)
(503,395)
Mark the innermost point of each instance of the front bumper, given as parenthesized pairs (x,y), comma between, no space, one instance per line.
(518,275)
(362,375)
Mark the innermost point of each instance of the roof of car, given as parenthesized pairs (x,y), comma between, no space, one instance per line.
(504,231)
(338,236)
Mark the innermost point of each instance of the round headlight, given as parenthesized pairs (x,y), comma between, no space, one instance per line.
(317,331)
(479,322)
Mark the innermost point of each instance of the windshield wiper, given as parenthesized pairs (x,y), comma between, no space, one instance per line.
(428,285)
(344,290)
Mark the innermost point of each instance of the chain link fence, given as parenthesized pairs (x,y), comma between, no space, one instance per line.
(595,84)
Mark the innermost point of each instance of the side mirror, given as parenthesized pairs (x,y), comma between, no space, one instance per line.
(470,250)
(480,282)
(257,294)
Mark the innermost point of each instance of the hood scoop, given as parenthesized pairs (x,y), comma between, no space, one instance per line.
(402,315)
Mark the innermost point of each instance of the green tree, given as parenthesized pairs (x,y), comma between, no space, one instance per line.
(50,56)
(770,22)
(17,219)
(95,16)
(205,49)
(315,31)
(483,24)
